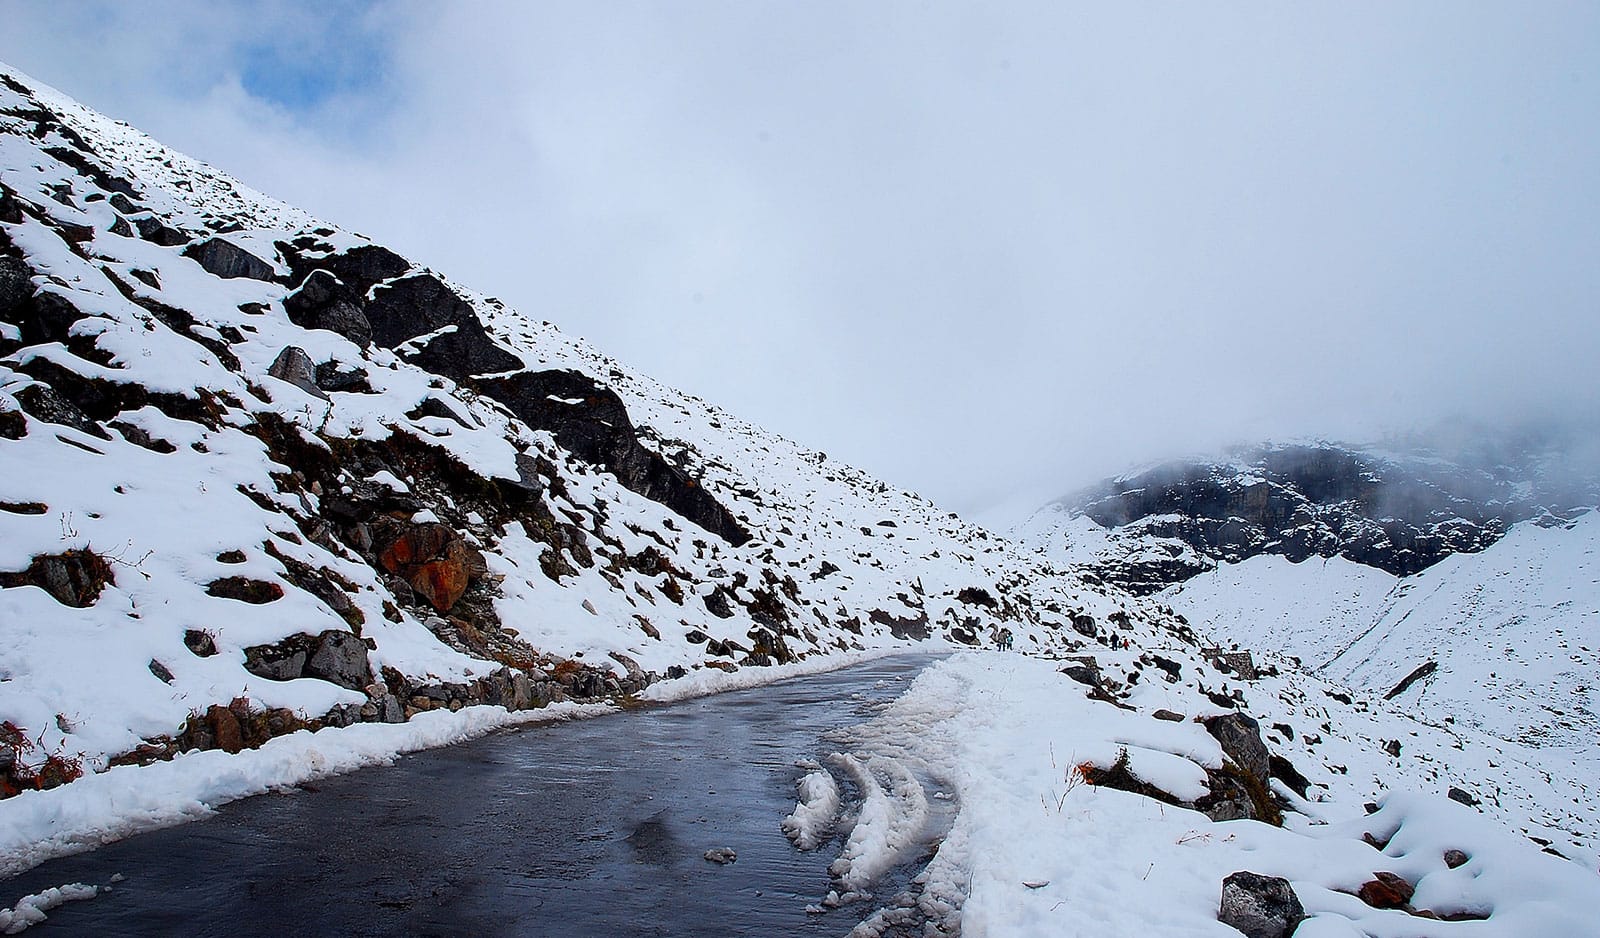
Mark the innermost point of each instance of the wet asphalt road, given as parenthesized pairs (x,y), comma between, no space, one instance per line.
(590,828)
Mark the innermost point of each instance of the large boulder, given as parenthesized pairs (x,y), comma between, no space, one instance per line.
(340,658)
(334,656)
(296,367)
(1260,906)
(419,305)
(222,258)
(434,560)
(1240,737)
(323,301)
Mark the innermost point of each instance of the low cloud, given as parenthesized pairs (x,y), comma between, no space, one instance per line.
(984,255)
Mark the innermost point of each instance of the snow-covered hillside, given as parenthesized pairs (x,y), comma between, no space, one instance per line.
(1508,639)
(262,474)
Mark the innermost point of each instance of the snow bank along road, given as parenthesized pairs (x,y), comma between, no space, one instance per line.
(592,827)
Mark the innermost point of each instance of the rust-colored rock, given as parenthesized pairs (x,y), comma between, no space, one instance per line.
(1386,891)
(225,728)
(434,560)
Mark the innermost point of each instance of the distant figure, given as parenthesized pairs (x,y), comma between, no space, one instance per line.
(1004,640)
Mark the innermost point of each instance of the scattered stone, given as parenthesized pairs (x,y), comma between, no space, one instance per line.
(1461,796)
(1260,906)
(1455,859)
(1168,715)
(244,589)
(160,671)
(231,556)
(225,730)
(1284,771)
(1386,891)
(201,642)
(722,855)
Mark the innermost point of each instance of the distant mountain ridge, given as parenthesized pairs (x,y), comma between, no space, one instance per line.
(1396,511)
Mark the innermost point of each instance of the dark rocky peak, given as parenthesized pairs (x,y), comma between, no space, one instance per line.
(1399,512)
(360,268)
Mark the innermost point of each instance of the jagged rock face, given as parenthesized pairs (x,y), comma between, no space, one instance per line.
(1401,515)
(592,422)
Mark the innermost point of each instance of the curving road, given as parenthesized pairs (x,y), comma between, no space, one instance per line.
(596,827)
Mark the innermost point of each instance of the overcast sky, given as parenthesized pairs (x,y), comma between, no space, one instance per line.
(986,252)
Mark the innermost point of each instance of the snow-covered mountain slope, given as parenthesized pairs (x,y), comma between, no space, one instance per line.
(1397,511)
(264,479)
(1508,639)
(262,474)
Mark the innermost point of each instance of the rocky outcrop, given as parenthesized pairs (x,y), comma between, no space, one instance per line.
(222,258)
(323,301)
(1399,514)
(592,422)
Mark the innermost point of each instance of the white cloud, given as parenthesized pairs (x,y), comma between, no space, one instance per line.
(972,251)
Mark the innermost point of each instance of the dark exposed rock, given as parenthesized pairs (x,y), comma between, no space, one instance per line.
(13,426)
(222,258)
(225,730)
(340,658)
(1455,859)
(1240,737)
(421,304)
(151,228)
(911,628)
(332,376)
(592,423)
(1168,715)
(75,577)
(1460,796)
(244,589)
(323,301)
(42,402)
(977,596)
(1422,670)
(295,366)
(1284,771)
(334,656)
(201,642)
(1260,906)
(360,268)
(1386,891)
(162,673)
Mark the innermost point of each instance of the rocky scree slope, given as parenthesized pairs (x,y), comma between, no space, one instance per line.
(263,475)
(1399,512)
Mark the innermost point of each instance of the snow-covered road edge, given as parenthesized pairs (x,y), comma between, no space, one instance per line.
(36,826)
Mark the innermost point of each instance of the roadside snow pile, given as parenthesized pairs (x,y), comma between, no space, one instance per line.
(30,910)
(818,807)
(1037,849)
